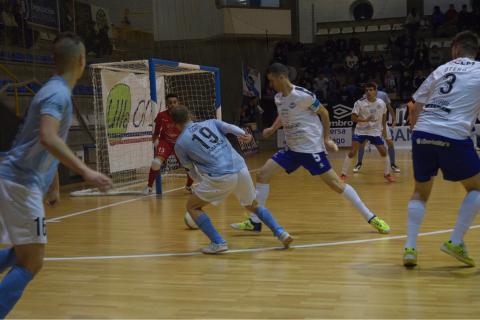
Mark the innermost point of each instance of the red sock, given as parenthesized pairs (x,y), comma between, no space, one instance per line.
(189,181)
(151,177)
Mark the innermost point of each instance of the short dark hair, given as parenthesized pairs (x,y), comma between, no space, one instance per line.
(67,47)
(278,69)
(68,35)
(180,115)
(371,84)
(467,41)
(171,95)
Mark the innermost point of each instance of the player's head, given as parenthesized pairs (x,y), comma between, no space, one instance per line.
(371,90)
(465,44)
(171,101)
(69,54)
(180,116)
(277,75)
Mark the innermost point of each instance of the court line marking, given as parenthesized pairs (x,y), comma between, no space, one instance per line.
(115,204)
(252,250)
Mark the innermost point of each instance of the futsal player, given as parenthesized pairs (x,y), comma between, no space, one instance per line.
(370,115)
(388,138)
(307,138)
(27,172)
(164,137)
(204,150)
(446,108)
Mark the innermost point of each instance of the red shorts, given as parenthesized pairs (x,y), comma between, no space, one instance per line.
(164,149)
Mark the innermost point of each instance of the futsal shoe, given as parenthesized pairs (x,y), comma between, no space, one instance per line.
(410,257)
(285,238)
(189,189)
(147,191)
(247,225)
(458,251)
(214,248)
(380,225)
(395,168)
(357,168)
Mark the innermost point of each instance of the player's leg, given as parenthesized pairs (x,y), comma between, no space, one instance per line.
(245,193)
(282,160)
(357,141)
(392,156)
(425,168)
(462,164)
(361,153)
(157,163)
(210,190)
(23,217)
(189,183)
(332,180)
(380,145)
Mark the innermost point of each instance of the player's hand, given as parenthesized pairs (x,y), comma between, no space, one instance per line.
(245,138)
(370,118)
(268,132)
(331,145)
(52,198)
(99,180)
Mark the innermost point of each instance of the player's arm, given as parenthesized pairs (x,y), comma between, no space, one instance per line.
(236,131)
(415,108)
(325,118)
(53,194)
(50,139)
(384,125)
(392,114)
(277,124)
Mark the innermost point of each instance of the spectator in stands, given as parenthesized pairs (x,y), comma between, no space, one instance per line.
(10,23)
(406,77)
(418,80)
(421,55)
(125,23)
(333,90)
(320,86)
(435,57)
(451,14)
(390,82)
(464,19)
(438,19)
(412,24)
(351,62)
(354,45)
(105,47)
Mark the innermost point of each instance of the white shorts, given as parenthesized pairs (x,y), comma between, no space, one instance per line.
(215,189)
(22,215)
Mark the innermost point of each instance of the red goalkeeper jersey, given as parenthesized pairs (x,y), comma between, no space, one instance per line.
(165,128)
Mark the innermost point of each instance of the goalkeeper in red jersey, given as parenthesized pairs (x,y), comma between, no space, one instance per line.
(164,138)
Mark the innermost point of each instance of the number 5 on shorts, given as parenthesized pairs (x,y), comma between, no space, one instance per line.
(317,158)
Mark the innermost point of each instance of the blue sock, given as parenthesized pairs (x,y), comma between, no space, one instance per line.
(11,288)
(267,218)
(205,224)
(391,154)
(361,152)
(7,259)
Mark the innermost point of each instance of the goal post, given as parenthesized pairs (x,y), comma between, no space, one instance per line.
(127,96)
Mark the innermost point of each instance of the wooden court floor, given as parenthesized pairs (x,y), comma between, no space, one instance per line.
(127,257)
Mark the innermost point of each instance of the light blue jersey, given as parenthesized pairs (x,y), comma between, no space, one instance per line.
(28,162)
(204,145)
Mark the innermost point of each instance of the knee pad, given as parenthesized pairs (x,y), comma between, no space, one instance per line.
(156,164)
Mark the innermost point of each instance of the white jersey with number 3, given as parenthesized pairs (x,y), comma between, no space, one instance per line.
(451,95)
(301,123)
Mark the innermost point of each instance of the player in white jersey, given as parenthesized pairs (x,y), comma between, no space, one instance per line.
(446,107)
(370,115)
(28,172)
(306,137)
(388,138)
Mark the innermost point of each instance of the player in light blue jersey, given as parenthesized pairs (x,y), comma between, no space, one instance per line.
(28,172)
(446,108)
(205,152)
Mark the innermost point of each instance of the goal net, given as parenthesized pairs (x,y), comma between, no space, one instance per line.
(127,97)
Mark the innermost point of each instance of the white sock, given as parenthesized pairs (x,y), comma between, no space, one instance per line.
(346,165)
(262,190)
(416,212)
(255,218)
(468,210)
(387,165)
(353,197)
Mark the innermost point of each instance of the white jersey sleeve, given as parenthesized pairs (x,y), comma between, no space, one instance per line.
(425,90)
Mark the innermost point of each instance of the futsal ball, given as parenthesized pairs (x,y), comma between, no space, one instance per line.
(189,222)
